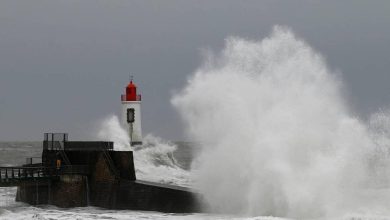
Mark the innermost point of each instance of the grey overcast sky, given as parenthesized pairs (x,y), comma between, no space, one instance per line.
(64,64)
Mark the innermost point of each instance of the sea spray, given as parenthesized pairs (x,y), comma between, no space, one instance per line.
(111,130)
(379,127)
(153,160)
(278,136)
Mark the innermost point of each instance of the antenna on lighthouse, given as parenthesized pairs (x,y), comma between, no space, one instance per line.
(131,77)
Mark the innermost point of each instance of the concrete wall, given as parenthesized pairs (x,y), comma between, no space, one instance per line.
(68,191)
(103,189)
(124,162)
(139,195)
(34,193)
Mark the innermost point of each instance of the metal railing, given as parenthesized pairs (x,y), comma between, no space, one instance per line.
(63,154)
(110,163)
(51,140)
(56,141)
(137,98)
(33,160)
(19,174)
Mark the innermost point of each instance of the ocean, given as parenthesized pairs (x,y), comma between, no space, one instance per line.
(14,153)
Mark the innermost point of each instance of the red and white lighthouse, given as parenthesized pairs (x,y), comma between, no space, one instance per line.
(131,113)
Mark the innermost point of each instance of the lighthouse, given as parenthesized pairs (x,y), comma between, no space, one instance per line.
(131,113)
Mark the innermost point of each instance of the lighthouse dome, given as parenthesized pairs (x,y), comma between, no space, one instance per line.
(131,85)
(131,93)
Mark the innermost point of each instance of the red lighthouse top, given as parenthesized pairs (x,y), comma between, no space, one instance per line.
(131,93)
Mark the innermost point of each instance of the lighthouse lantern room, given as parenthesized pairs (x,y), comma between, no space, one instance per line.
(131,113)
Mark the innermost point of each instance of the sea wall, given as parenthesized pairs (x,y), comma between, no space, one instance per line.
(102,188)
(34,193)
(68,191)
(141,195)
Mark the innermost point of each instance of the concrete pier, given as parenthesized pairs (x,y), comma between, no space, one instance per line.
(109,182)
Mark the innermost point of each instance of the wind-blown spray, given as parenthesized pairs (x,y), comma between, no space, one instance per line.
(110,129)
(153,160)
(278,136)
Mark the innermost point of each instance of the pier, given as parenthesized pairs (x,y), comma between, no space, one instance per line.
(91,173)
(15,176)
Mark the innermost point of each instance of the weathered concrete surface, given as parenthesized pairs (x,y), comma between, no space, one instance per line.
(102,188)
(34,193)
(142,195)
(69,191)
(156,197)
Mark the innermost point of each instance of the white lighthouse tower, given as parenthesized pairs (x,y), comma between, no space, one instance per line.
(131,113)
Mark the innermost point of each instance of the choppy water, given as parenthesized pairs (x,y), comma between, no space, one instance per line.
(14,153)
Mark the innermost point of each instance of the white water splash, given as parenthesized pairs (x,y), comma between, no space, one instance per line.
(111,130)
(153,160)
(279,138)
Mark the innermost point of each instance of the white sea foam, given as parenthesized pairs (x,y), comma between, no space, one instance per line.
(111,130)
(279,137)
(153,160)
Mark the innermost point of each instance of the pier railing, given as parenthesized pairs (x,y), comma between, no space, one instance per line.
(110,163)
(12,176)
(51,140)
